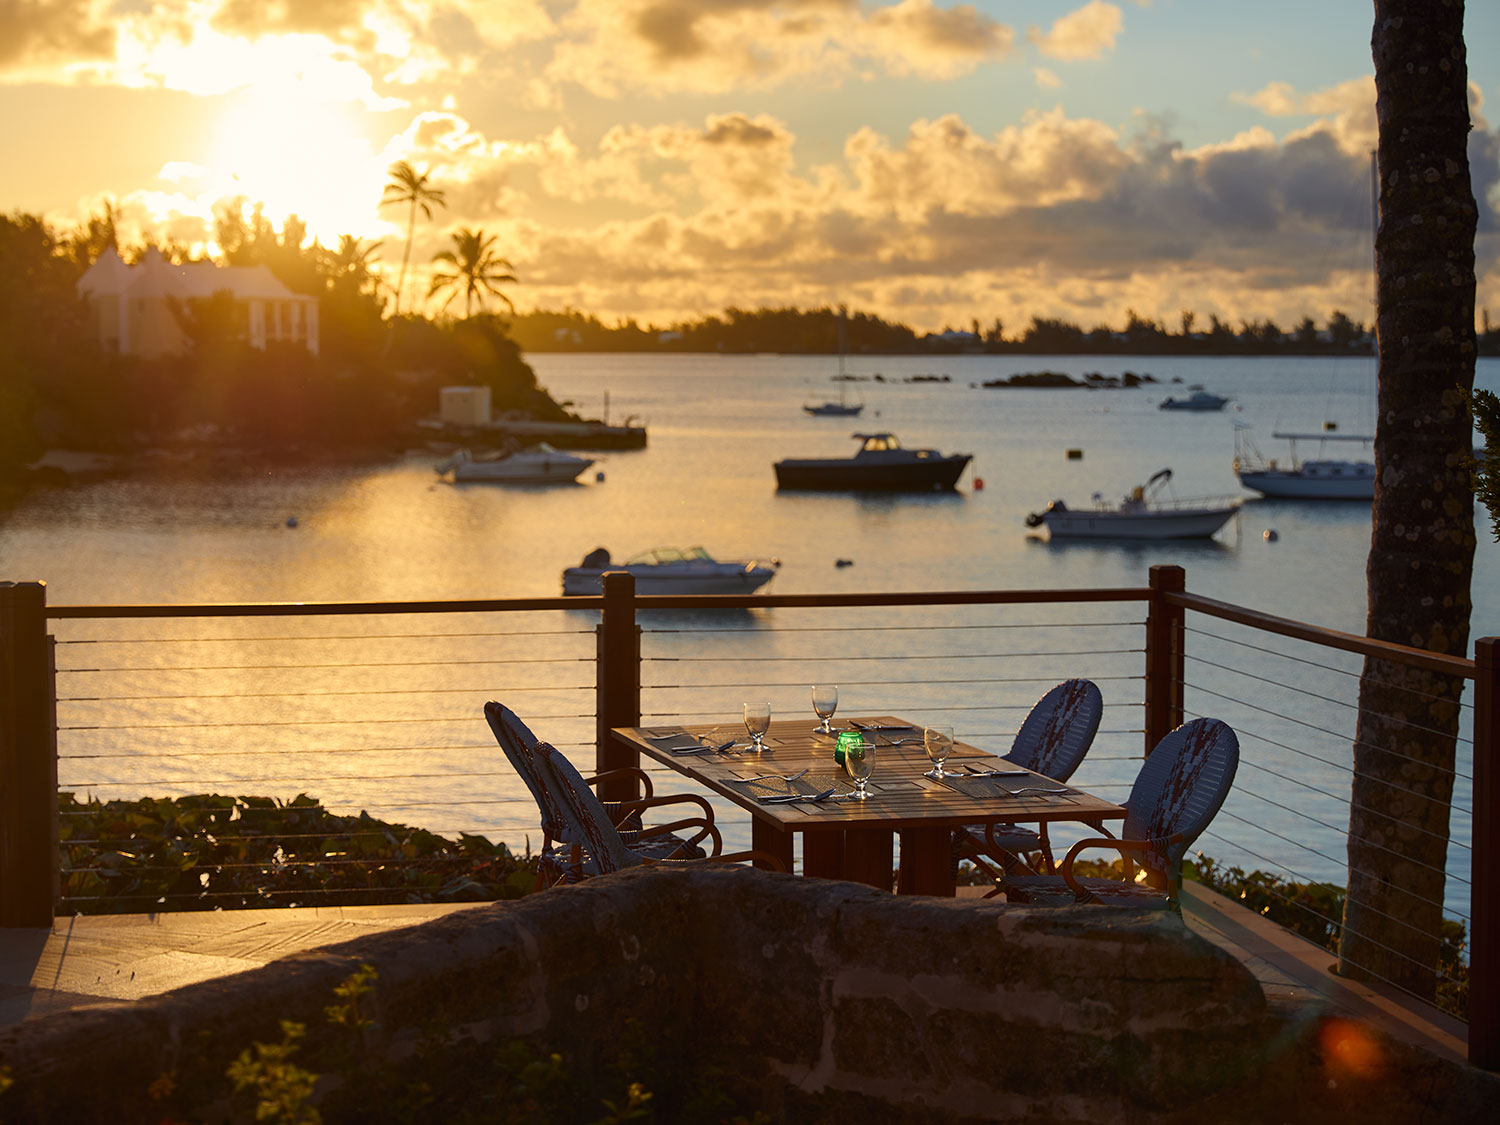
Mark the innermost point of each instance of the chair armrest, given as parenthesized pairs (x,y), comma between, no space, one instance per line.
(640,804)
(706,828)
(622,772)
(1124,847)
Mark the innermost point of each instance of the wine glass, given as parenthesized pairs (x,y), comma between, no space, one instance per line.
(757,721)
(825,701)
(938,742)
(859,761)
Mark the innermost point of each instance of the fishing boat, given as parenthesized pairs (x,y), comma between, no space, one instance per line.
(882,464)
(1297,479)
(541,464)
(1198,400)
(1143,514)
(667,570)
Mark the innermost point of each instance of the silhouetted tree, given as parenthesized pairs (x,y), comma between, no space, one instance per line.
(473,269)
(415,190)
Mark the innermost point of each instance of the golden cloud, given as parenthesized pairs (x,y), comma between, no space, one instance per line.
(1084,34)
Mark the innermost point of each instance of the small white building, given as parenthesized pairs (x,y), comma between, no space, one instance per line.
(131,306)
(464,406)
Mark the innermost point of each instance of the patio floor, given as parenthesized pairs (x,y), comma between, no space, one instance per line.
(94,958)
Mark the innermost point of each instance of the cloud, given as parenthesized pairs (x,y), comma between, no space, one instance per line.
(1045,79)
(35,35)
(610,47)
(1084,34)
(1347,109)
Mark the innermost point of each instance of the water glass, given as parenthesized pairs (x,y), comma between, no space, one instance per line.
(825,701)
(938,742)
(757,722)
(859,761)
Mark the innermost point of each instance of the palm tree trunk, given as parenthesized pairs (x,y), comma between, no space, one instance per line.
(411,226)
(1422,542)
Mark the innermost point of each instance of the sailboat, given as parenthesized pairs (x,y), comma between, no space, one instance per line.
(843,408)
(1319,478)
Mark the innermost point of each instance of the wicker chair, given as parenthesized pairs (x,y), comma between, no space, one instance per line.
(557,859)
(1175,796)
(599,848)
(1052,742)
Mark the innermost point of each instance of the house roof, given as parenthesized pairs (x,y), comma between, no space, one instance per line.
(154,276)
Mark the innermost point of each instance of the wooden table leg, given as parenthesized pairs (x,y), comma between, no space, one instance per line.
(927,862)
(768,838)
(867,856)
(823,854)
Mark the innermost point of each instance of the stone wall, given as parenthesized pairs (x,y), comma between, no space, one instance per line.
(816,1000)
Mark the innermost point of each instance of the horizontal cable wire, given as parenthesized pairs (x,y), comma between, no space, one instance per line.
(252,893)
(1374,910)
(1340,766)
(337,664)
(1344,801)
(260,753)
(1338,734)
(885,657)
(306,694)
(309,722)
(318,637)
(1323,667)
(876,683)
(296,779)
(398,806)
(904,628)
(1322,698)
(341,834)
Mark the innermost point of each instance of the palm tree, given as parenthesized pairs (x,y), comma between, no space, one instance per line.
(413,188)
(474,268)
(1422,540)
(349,267)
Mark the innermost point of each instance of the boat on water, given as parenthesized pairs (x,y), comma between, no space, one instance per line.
(1198,400)
(1313,479)
(843,408)
(882,464)
(1143,514)
(540,464)
(667,570)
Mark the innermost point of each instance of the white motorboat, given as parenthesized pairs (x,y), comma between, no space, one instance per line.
(666,570)
(1198,400)
(1141,515)
(1317,479)
(541,464)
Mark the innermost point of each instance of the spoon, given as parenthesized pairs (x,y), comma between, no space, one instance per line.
(770,777)
(789,798)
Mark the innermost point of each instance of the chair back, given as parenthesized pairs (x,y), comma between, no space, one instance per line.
(519,745)
(1179,791)
(1059,730)
(587,824)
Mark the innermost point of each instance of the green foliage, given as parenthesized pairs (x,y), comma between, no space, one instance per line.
(211,851)
(280,1089)
(1484,408)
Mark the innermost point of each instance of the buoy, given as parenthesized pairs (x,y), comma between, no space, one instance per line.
(1075,455)
(599,477)
(775,562)
(1269,535)
(978,484)
(291,521)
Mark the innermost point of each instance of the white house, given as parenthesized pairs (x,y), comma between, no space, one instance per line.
(131,305)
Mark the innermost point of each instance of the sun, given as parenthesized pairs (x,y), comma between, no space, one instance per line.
(299,155)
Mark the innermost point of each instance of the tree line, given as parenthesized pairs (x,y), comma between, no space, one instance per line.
(816,331)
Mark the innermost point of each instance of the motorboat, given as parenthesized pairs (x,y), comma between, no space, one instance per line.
(1198,400)
(1143,514)
(666,570)
(540,464)
(1317,479)
(880,465)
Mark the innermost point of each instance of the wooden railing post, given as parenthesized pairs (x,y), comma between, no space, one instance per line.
(619,681)
(1165,638)
(1484,908)
(28,759)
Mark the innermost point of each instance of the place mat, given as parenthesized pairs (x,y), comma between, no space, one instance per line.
(809,785)
(675,741)
(990,788)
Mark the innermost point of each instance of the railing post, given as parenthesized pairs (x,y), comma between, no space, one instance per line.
(28,759)
(619,681)
(1165,638)
(1484,908)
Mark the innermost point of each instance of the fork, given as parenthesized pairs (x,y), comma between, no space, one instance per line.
(1034,789)
(791,798)
(770,777)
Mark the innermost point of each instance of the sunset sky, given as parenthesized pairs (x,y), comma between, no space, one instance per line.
(934,162)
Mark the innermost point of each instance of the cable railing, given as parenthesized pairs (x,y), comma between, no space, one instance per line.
(291,738)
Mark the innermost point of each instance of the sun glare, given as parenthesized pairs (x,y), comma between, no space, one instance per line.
(302,156)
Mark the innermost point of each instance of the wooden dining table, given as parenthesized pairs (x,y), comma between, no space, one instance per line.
(844,838)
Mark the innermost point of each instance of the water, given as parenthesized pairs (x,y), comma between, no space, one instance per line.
(393,532)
